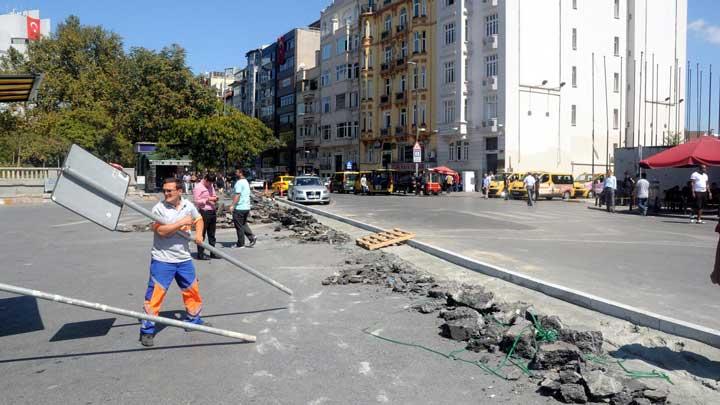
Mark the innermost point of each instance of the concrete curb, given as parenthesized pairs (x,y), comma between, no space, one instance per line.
(618,310)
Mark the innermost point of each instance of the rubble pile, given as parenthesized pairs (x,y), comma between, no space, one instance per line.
(380,268)
(555,355)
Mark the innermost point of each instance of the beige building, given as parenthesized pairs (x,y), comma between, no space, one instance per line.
(397,76)
(339,86)
(307,138)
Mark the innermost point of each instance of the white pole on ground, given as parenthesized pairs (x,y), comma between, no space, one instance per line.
(72,173)
(125,312)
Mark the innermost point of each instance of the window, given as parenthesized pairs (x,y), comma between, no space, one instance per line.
(491,65)
(340,102)
(415,77)
(369,90)
(388,23)
(573,115)
(573,79)
(19,41)
(449,33)
(491,143)
(388,54)
(467,30)
(403,49)
(416,8)
(574,4)
(490,107)
(286,82)
(459,150)
(449,3)
(326,51)
(419,38)
(449,108)
(326,104)
(287,100)
(617,9)
(341,72)
(574,38)
(467,68)
(386,119)
(289,64)
(354,100)
(326,130)
(423,84)
(616,82)
(491,25)
(342,46)
(616,46)
(616,118)
(325,78)
(450,72)
(403,18)
(388,87)
(402,83)
(403,118)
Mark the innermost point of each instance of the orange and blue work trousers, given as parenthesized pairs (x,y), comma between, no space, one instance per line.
(161,276)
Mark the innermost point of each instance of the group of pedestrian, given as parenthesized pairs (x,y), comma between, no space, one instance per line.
(170,255)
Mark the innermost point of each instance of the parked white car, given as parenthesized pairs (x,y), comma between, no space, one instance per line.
(257,184)
(309,189)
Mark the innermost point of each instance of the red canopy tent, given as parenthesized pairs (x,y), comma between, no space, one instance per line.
(446,170)
(704,150)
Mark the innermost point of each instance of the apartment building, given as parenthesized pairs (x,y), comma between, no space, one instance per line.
(339,86)
(397,78)
(307,139)
(18,28)
(553,84)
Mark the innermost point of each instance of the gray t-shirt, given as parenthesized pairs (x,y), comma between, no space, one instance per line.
(643,188)
(173,248)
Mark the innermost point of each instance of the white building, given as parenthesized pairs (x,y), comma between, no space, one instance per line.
(339,86)
(517,88)
(17,29)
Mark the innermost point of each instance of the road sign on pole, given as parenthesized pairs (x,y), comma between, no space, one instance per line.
(417,153)
(95,190)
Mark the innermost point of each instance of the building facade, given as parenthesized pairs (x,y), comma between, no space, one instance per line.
(17,29)
(339,86)
(396,84)
(554,85)
(307,139)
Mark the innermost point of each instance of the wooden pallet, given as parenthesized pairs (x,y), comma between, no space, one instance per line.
(383,239)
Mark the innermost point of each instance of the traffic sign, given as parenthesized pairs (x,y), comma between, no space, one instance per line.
(417,153)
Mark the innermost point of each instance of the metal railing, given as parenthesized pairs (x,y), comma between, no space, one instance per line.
(28,173)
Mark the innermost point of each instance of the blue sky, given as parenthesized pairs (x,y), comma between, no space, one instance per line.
(217,34)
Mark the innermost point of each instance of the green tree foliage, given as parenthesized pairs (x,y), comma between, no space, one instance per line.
(211,142)
(104,99)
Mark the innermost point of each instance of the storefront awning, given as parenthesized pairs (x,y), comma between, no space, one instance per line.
(19,88)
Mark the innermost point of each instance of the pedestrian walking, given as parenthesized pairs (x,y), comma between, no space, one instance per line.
(530,183)
(609,189)
(186,182)
(506,187)
(241,210)
(171,258)
(220,184)
(193,180)
(642,193)
(364,185)
(715,276)
(486,186)
(628,189)
(449,180)
(700,192)
(205,201)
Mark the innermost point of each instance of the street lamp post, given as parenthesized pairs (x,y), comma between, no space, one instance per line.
(416,117)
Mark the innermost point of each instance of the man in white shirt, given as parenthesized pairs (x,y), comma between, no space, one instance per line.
(529,183)
(642,193)
(700,191)
(486,186)
(610,188)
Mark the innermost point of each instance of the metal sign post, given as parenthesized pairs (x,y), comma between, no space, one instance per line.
(124,312)
(95,190)
(417,156)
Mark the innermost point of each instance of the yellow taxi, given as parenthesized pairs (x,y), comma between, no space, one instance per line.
(552,185)
(282,183)
(584,184)
(497,185)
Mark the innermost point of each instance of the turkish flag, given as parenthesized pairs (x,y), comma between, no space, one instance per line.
(33,28)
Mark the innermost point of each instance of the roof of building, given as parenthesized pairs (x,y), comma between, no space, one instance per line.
(14,88)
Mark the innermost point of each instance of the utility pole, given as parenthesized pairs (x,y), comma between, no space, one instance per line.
(607,119)
(710,100)
(416,116)
(593,115)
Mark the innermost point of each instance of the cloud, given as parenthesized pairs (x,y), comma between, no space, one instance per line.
(709,32)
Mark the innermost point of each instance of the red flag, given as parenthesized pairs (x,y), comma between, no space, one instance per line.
(33,28)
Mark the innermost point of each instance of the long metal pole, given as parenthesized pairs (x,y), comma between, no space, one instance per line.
(652,105)
(645,108)
(124,312)
(620,121)
(98,188)
(607,119)
(710,101)
(593,115)
(639,91)
(657,96)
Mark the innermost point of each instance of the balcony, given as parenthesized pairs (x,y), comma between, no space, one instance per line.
(384,35)
(490,83)
(490,3)
(402,96)
(490,42)
(399,131)
(491,125)
(385,99)
(401,28)
(384,131)
(384,67)
(400,62)
(368,9)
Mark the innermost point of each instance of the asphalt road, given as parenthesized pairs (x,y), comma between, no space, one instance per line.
(310,348)
(659,264)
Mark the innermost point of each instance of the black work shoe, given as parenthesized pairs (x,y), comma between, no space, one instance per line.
(252,242)
(147,339)
(202,257)
(204,323)
(214,256)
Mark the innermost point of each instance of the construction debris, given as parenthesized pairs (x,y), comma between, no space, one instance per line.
(379,240)
(569,365)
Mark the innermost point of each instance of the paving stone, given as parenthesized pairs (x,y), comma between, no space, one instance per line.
(573,394)
(601,385)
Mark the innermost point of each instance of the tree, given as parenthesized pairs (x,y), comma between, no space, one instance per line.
(212,142)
